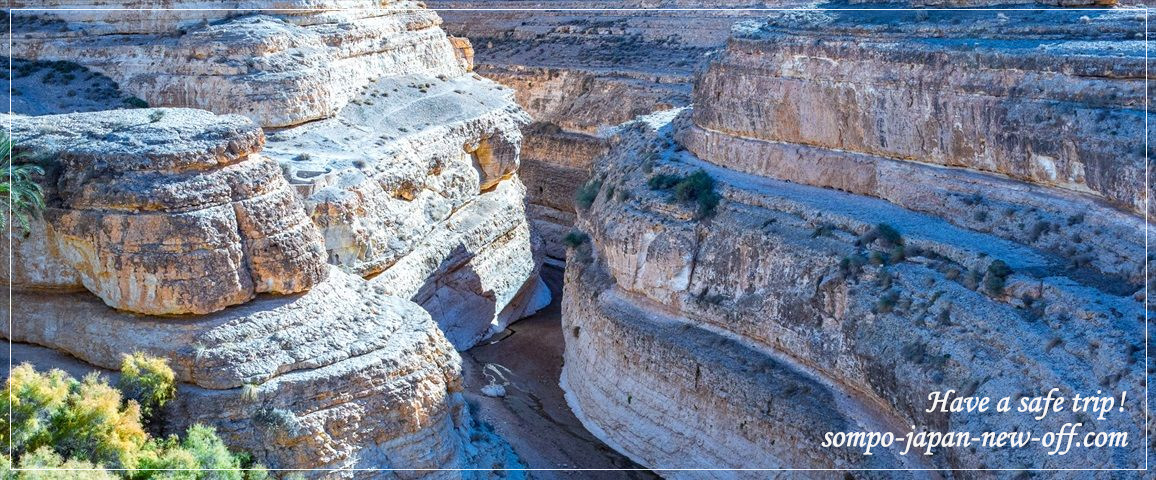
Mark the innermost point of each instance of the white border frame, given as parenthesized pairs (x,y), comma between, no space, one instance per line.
(1147,188)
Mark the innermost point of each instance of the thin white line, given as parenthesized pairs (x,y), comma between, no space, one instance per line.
(11,263)
(1147,187)
(18,469)
(802,9)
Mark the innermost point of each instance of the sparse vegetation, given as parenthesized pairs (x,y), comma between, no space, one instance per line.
(887,302)
(1042,227)
(663,182)
(575,239)
(697,187)
(588,193)
(887,236)
(996,277)
(823,230)
(18,187)
(277,420)
(851,265)
(57,421)
(972,200)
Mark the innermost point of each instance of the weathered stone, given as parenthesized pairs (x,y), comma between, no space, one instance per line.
(464,51)
(659,299)
(365,380)
(1051,98)
(422,192)
(165,211)
(277,67)
(402,137)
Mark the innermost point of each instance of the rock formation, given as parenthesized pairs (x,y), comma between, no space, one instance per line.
(392,147)
(342,376)
(908,204)
(142,194)
(578,75)
(298,152)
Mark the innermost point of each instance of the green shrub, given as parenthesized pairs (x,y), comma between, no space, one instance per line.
(575,239)
(147,380)
(211,453)
(887,302)
(59,422)
(85,421)
(888,234)
(697,187)
(588,193)
(663,182)
(18,187)
(45,458)
(996,277)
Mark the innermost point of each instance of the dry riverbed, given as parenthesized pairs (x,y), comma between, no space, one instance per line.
(526,360)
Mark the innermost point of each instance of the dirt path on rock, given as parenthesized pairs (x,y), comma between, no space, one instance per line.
(533,416)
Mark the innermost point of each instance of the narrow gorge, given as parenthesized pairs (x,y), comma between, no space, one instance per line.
(491,239)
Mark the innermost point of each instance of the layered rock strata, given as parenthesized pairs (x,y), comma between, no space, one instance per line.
(140,195)
(280,64)
(771,316)
(343,376)
(578,75)
(391,145)
(382,157)
(795,309)
(176,208)
(1044,105)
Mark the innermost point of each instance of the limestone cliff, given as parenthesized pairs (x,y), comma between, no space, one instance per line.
(736,337)
(307,253)
(140,195)
(578,75)
(392,147)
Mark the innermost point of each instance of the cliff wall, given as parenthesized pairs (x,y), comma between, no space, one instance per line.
(307,253)
(880,235)
(391,145)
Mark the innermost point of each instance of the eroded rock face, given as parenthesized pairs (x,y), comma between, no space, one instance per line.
(1051,99)
(164,211)
(790,293)
(279,68)
(755,321)
(422,192)
(385,158)
(342,376)
(579,76)
(387,139)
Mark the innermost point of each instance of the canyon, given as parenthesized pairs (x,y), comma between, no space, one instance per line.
(729,231)
(880,228)
(895,189)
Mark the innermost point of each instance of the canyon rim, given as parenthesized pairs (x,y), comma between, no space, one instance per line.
(515,239)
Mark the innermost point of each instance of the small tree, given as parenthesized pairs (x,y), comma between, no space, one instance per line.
(149,381)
